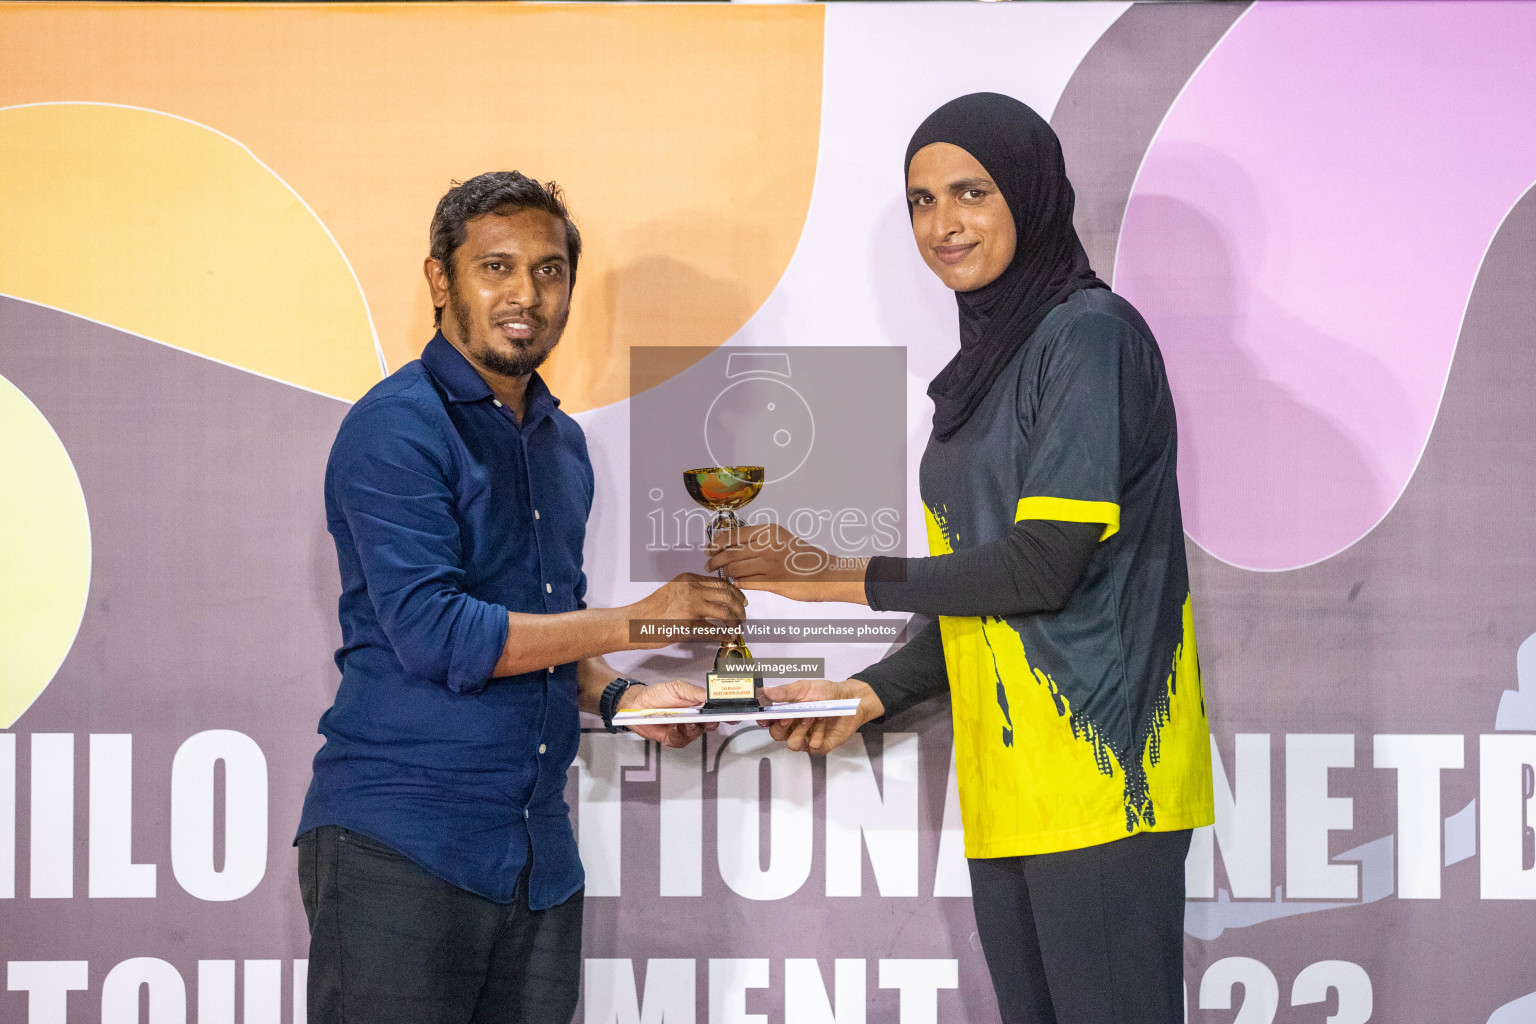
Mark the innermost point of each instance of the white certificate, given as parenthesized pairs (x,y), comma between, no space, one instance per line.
(792,709)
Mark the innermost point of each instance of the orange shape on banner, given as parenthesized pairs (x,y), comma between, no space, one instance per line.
(161,227)
(685,137)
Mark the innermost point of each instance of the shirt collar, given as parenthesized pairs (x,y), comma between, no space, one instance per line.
(540,402)
(463,382)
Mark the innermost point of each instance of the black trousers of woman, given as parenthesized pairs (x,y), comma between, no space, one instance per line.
(1090,936)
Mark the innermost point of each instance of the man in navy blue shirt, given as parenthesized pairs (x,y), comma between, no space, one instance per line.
(436,858)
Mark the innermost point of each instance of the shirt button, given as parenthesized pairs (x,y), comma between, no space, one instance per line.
(548,589)
(525,814)
(496,402)
(535,513)
(541,748)
(551,668)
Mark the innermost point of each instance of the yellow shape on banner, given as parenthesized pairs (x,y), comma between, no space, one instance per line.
(45,553)
(166,228)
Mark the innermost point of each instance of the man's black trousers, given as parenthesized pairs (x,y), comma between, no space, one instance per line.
(391,943)
(1090,936)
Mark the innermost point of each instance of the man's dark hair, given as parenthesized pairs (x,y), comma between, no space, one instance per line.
(494,192)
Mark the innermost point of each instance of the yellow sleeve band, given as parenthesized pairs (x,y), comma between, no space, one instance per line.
(1070,510)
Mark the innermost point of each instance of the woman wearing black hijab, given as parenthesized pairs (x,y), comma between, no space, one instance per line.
(1063,631)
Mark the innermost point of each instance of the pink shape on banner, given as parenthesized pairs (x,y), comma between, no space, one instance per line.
(1302,238)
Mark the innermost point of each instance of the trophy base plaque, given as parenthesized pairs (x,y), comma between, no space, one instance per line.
(727,692)
(729,689)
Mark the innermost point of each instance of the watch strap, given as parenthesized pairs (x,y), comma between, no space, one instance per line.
(608,703)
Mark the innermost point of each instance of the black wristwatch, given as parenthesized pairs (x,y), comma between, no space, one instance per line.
(608,703)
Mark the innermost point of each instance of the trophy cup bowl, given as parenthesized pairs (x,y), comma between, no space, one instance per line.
(723,490)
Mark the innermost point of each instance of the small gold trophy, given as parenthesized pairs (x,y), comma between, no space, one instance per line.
(724,489)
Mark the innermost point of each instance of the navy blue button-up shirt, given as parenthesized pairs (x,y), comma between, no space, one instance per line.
(448,513)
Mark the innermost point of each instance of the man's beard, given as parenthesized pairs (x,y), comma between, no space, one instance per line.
(521,363)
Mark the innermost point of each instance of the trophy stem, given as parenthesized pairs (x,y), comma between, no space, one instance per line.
(734,646)
(724,521)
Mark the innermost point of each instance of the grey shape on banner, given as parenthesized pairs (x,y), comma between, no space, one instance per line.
(1207,920)
(1461,834)
(1521,1011)
(1517,707)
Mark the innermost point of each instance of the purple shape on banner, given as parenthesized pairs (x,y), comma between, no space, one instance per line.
(1302,238)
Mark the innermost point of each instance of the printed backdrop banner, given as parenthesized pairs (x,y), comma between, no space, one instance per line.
(214,219)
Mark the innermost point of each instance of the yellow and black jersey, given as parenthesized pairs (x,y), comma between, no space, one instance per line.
(1087,725)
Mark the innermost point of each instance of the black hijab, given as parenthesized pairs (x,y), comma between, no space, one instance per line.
(1022,154)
